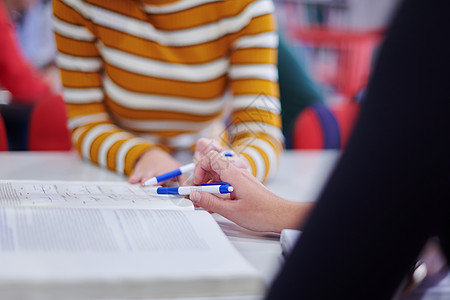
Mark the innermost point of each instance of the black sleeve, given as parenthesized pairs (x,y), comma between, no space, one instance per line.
(389,192)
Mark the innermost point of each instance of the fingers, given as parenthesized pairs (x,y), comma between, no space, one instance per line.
(210,202)
(239,162)
(138,176)
(203,146)
(152,163)
(213,166)
(184,180)
(134,179)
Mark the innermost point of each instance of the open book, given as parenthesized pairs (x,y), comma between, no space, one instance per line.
(93,240)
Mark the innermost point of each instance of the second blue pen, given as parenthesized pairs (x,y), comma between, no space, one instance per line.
(214,188)
(175,173)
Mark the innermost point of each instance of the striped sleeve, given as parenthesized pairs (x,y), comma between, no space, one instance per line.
(255,123)
(94,134)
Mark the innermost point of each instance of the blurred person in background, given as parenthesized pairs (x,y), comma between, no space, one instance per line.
(17,74)
(32,20)
(23,82)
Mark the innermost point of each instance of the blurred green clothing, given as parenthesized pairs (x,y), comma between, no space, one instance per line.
(297,89)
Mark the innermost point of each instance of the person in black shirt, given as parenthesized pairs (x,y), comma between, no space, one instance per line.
(389,192)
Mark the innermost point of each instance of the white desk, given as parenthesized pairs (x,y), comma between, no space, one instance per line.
(300,177)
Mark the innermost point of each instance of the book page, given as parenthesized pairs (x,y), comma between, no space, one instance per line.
(75,253)
(75,230)
(85,194)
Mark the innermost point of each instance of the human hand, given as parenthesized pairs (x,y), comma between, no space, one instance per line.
(204,145)
(251,204)
(152,163)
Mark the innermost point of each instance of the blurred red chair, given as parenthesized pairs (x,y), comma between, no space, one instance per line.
(3,138)
(319,127)
(48,129)
(316,128)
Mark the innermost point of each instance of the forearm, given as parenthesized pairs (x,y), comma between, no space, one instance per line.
(255,122)
(388,194)
(107,145)
(290,215)
(261,151)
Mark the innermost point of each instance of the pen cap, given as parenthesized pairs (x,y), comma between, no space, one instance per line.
(225,188)
(227,153)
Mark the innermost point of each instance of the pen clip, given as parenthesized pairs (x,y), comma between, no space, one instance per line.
(227,153)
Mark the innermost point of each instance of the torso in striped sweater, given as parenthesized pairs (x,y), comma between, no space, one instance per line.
(160,69)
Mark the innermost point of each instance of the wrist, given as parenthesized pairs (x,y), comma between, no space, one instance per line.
(292,215)
(149,152)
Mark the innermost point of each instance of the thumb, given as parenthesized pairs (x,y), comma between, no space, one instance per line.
(209,202)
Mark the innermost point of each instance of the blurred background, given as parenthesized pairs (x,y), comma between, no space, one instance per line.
(327,48)
(335,40)
(334,44)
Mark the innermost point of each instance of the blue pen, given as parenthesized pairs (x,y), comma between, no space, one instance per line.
(213,188)
(182,170)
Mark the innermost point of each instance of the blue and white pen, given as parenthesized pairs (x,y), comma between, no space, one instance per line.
(182,170)
(169,175)
(213,188)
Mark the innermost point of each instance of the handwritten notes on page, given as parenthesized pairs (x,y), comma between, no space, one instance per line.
(85,194)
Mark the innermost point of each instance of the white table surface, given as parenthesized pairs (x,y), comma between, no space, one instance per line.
(300,177)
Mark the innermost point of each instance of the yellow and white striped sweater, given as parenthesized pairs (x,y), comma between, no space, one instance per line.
(141,73)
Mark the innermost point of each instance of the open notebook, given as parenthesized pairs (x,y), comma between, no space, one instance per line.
(90,240)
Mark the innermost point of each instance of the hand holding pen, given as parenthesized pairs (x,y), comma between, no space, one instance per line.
(250,204)
(177,172)
(157,161)
(204,146)
(212,188)
(154,162)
